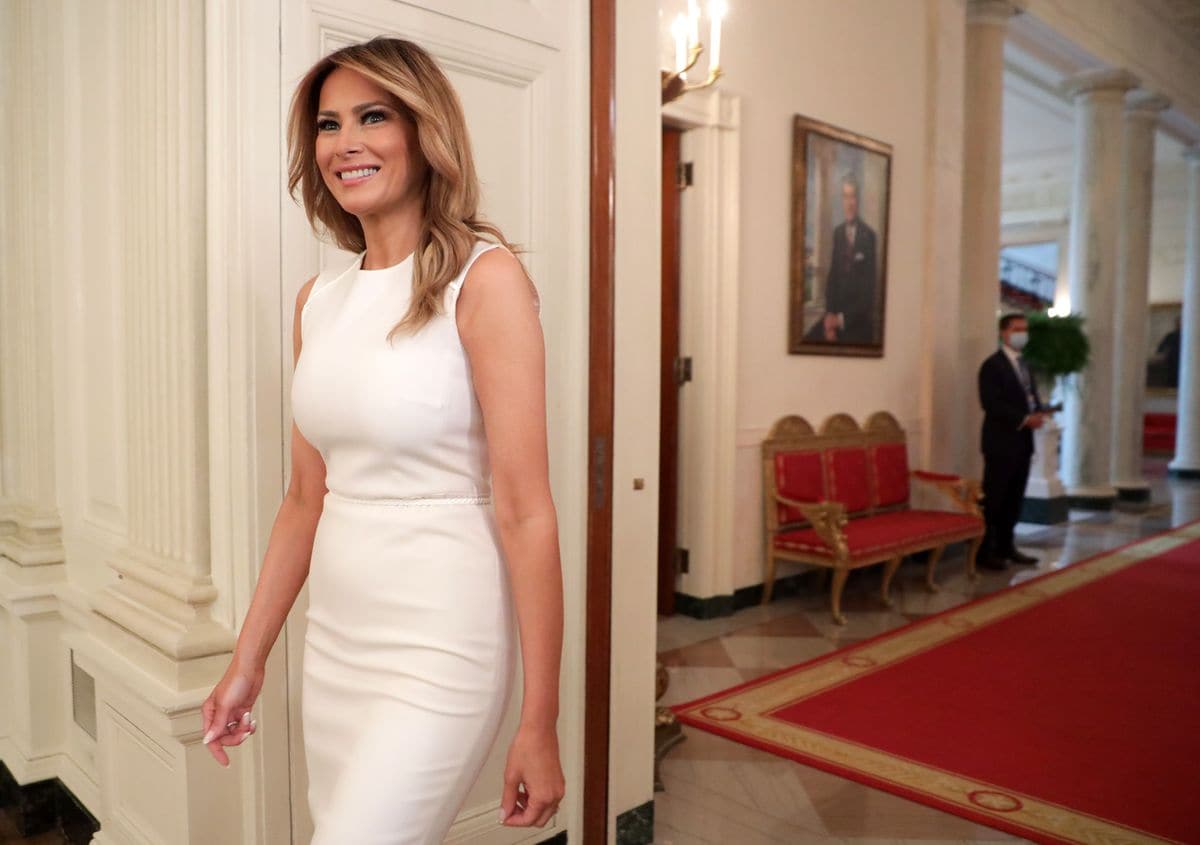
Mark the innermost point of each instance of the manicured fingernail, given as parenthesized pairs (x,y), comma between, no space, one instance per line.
(208,737)
(503,815)
(246,716)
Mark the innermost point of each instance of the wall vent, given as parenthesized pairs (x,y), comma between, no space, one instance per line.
(83,698)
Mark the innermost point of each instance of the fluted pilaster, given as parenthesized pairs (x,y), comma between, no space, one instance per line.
(1133,278)
(165,591)
(1092,261)
(30,527)
(1187,438)
(987,28)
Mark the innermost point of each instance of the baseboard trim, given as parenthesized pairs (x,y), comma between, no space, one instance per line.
(636,826)
(726,605)
(1133,495)
(1045,511)
(1092,503)
(1185,473)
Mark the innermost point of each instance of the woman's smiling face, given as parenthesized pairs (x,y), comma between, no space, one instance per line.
(366,146)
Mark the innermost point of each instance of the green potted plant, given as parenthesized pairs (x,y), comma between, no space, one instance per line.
(1057,350)
(1057,346)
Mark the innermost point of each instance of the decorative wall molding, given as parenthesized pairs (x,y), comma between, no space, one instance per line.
(164,590)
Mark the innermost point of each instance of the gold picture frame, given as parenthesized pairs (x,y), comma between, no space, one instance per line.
(841,193)
(1162,320)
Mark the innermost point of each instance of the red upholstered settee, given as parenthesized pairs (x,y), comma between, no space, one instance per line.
(840,498)
(1158,434)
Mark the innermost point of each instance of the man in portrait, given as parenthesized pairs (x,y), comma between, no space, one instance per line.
(850,287)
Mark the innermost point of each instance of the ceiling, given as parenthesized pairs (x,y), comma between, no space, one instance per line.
(1039,121)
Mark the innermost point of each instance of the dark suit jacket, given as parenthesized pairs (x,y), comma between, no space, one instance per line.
(1004,408)
(850,287)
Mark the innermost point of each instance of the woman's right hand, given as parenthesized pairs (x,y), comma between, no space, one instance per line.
(230,702)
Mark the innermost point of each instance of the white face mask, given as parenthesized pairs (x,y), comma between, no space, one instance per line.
(1017,340)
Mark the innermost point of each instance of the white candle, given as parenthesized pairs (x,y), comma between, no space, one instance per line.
(716,11)
(679,32)
(693,23)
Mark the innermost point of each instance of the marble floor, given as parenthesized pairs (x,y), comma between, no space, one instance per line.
(719,791)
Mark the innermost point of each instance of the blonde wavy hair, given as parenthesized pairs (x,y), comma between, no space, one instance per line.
(451,220)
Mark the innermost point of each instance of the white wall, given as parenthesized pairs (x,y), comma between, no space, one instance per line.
(787,58)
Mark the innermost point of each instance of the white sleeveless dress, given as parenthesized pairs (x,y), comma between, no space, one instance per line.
(410,649)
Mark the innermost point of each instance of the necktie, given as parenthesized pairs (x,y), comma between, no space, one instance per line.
(1027,383)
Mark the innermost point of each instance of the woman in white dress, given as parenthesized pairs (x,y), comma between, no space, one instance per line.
(419,506)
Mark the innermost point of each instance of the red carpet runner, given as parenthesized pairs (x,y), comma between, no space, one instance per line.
(1066,709)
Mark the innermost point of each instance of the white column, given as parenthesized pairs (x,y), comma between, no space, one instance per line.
(1092,262)
(34,682)
(1187,437)
(30,527)
(987,28)
(1133,274)
(165,590)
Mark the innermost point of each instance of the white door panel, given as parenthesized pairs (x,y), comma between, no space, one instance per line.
(520,69)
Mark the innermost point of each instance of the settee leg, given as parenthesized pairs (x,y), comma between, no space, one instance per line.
(972,552)
(769,583)
(934,557)
(889,571)
(835,596)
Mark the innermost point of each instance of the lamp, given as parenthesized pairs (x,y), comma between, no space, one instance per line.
(685,36)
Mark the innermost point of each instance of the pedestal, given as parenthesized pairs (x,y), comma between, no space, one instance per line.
(1046,500)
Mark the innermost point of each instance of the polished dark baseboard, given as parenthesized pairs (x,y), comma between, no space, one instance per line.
(814,579)
(1135,496)
(636,826)
(1045,511)
(726,605)
(1092,503)
(556,839)
(45,805)
(1186,474)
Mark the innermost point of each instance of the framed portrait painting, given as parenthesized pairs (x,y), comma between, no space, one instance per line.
(1164,344)
(841,185)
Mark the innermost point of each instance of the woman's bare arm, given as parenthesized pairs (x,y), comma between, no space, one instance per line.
(227,718)
(285,565)
(498,322)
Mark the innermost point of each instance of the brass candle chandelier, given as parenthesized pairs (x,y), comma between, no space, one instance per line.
(685,35)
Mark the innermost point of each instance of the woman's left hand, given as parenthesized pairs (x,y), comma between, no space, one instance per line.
(533,765)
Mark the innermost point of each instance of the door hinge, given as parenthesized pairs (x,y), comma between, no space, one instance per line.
(681,560)
(683,370)
(683,175)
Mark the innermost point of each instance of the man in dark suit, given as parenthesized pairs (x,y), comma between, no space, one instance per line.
(850,287)
(1012,411)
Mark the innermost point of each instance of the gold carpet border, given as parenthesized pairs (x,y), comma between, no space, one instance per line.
(748,710)
(973,795)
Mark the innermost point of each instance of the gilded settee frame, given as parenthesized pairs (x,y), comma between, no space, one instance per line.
(828,519)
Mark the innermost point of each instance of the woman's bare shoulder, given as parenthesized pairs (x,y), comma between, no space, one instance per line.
(498,275)
(305,290)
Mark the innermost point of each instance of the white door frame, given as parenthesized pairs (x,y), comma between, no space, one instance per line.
(245,181)
(709,243)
